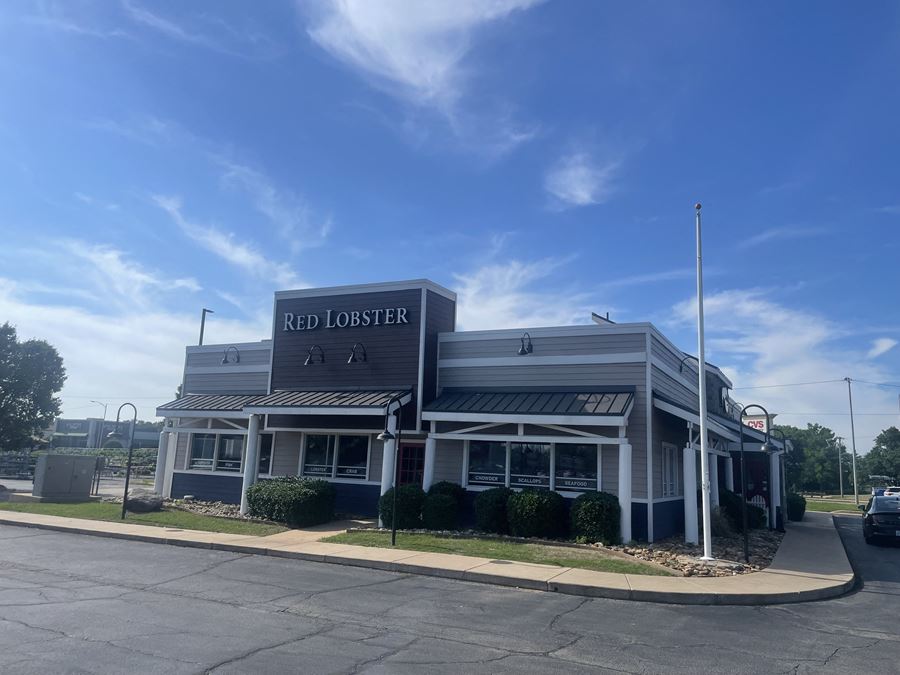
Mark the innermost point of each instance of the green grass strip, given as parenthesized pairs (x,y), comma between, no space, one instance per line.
(500,549)
(173,518)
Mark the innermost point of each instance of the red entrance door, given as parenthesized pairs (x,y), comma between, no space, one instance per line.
(412,464)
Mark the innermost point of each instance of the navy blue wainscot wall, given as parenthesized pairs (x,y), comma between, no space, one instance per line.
(208,488)
(668,519)
(356,500)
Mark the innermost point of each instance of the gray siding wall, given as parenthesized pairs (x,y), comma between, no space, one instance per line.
(261,356)
(287,453)
(609,467)
(227,383)
(674,388)
(448,460)
(181,447)
(568,345)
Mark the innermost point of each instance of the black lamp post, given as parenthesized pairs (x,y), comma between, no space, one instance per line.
(766,449)
(388,436)
(114,435)
(783,495)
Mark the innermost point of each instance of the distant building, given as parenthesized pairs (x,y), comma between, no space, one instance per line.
(92,431)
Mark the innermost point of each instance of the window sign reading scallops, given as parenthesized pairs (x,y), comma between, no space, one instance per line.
(576,467)
(390,316)
(487,463)
(529,465)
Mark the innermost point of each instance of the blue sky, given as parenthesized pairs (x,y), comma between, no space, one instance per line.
(541,158)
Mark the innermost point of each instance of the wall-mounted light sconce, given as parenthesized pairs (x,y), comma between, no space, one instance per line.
(356,356)
(237,354)
(309,355)
(686,357)
(526,347)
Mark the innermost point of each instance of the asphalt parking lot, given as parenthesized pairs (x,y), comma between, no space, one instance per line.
(79,604)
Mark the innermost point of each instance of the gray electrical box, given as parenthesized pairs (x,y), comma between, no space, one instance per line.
(64,477)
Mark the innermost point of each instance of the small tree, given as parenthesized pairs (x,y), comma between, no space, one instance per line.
(31,373)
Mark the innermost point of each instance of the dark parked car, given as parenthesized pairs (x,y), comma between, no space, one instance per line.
(881,518)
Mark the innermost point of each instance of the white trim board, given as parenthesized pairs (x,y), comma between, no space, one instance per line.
(545,331)
(567,440)
(261,345)
(423,303)
(557,360)
(214,414)
(583,420)
(411,284)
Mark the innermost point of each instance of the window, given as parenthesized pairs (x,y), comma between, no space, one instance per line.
(228,457)
(529,465)
(576,467)
(487,463)
(265,453)
(203,451)
(669,470)
(352,457)
(319,457)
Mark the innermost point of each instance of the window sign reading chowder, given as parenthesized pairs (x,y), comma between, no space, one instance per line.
(529,465)
(487,463)
(576,467)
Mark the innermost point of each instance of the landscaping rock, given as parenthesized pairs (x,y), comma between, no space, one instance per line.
(144,503)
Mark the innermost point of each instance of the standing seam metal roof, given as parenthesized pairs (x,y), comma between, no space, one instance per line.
(534,402)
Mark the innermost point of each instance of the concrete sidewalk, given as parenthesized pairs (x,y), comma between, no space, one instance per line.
(810,564)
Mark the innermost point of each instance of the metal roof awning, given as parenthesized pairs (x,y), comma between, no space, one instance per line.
(594,407)
(359,402)
(207,405)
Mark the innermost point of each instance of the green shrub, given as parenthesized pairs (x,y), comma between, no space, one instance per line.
(730,503)
(595,517)
(536,513)
(796,506)
(298,502)
(410,498)
(490,510)
(440,512)
(445,487)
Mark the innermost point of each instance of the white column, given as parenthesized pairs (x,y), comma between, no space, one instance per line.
(625,490)
(251,460)
(388,456)
(428,474)
(160,476)
(729,473)
(689,468)
(774,487)
(170,464)
(714,479)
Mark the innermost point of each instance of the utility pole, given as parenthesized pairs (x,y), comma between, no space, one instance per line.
(853,441)
(840,448)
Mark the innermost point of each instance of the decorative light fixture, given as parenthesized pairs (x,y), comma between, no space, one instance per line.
(526,347)
(237,355)
(309,355)
(767,448)
(686,357)
(115,436)
(354,358)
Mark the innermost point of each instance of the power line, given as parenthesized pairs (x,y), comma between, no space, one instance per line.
(878,384)
(793,384)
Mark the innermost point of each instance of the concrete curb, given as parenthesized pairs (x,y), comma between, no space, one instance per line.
(624,587)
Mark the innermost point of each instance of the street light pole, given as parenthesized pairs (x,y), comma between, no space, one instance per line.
(766,449)
(102,424)
(840,447)
(853,441)
(701,359)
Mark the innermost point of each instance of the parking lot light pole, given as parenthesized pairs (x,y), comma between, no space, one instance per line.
(114,435)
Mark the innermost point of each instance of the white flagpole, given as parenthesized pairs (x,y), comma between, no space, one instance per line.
(701,355)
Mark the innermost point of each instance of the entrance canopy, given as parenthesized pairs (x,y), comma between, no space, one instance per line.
(594,407)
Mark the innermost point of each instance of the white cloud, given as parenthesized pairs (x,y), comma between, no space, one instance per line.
(760,342)
(893,209)
(291,214)
(226,246)
(881,346)
(131,355)
(503,295)
(780,233)
(578,180)
(418,52)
